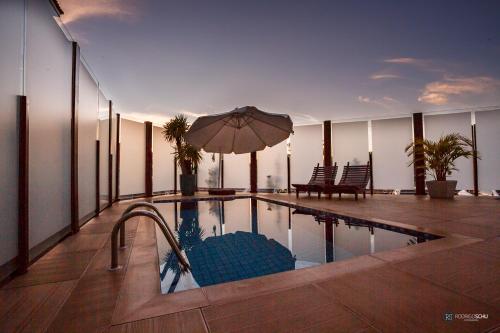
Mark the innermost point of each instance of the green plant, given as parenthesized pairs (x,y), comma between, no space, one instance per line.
(187,156)
(439,156)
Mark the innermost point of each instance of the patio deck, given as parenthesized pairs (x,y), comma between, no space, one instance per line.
(405,290)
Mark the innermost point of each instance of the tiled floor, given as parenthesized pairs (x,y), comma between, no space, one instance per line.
(70,289)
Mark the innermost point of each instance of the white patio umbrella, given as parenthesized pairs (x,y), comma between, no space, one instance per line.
(243,130)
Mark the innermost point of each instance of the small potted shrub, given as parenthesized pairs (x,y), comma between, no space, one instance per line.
(438,159)
(186,155)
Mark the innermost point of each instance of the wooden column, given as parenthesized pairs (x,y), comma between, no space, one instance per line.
(149,158)
(110,156)
(370,159)
(253,172)
(75,70)
(222,170)
(327,143)
(175,175)
(418,170)
(97,178)
(117,164)
(474,161)
(23,188)
(288,167)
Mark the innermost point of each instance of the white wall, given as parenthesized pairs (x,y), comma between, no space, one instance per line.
(488,140)
(163,162)
(349,144)
(133,157)
(272,162)
(237,171)
(438,125)
(87,128)
(11,41)
(48,86)
(307,151)
(390,162)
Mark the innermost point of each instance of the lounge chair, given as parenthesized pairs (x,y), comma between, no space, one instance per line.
(321,176)
(354,181)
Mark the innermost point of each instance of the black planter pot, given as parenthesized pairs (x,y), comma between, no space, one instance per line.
(188,184)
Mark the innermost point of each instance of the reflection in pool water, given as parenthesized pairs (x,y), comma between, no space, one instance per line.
(243,238)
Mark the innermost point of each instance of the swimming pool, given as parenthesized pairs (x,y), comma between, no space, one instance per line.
(240,238)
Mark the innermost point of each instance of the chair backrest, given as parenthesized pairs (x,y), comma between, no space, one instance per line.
(356,175)
(324,174)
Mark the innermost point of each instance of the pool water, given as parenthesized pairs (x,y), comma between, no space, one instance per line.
(243,238)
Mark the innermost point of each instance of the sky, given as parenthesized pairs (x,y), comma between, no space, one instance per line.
(314,60)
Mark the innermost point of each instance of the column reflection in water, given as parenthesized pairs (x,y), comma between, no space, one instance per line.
(255,221)
(372,240)
(329,240)
(290,235)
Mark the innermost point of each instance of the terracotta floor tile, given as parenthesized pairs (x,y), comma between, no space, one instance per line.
(80,242)
(182,322)
(478,231)
(395,301)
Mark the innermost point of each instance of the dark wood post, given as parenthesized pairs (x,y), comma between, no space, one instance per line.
(110,156)
(23,257)
(327,143)
(419,171)
(149,158)
(370,159)
(117,165)
(175,175)
(222,170)
(474,161)
(253,172)
(97,177)
(288,167)
(75,70)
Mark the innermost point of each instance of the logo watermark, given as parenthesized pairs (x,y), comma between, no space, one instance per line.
(449,316)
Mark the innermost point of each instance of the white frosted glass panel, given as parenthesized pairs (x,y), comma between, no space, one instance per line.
(163,162)
(11,40)
(87,127)
(48,87)
(438,125)
(237,171)
(349,144)
(208,171)
(271,167)
(488,139)
(133,157)
(390,163)
(307,152)
(104,149)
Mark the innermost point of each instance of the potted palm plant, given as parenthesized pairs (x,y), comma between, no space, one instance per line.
(187,156)
(438,159)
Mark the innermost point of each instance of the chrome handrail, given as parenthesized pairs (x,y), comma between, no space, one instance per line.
(171,240)
(138,205)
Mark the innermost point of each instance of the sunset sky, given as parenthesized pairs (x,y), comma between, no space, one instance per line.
(314,60)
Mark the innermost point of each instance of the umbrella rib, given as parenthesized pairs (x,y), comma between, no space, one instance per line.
(217,118)
(234,138)
(256,134)
(213,136)
(272,125)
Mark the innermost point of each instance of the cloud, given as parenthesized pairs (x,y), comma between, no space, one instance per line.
(439,92)
(385,102)
(405,61)
(424,64)
(384,76)
(75,10)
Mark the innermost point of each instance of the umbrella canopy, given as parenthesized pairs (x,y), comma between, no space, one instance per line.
(243,130)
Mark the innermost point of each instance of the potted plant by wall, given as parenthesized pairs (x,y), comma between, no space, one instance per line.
(438,159)
(186,155)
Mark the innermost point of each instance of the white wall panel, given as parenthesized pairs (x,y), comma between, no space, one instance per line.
(48,87)
(87,127)
(307,152)
(104,149)
(271,167)
(349,144)
(208,170)
(163,162)
(237,171)
(438,125)
(133,157)
(390,163)
(11,41)
(113,153)
(488,140)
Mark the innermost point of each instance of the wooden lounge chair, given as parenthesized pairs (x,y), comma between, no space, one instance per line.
(354,181)
(320,177)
